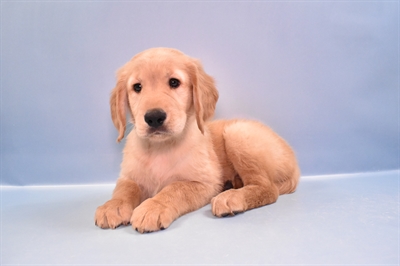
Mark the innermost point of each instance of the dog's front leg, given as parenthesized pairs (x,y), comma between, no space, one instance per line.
(118,210)
(174,200)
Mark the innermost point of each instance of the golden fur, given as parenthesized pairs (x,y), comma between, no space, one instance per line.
(187,161)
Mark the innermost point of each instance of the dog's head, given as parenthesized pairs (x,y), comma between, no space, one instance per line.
(162,88)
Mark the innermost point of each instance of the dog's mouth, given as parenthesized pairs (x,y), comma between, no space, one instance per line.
(160,132)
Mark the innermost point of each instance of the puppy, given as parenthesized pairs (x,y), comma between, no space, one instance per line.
(175,161)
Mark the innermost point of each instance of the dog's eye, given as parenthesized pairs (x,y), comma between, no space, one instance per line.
(137,87)
(174,83)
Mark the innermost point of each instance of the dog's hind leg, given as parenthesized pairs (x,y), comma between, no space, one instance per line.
(257,155)
(256,192)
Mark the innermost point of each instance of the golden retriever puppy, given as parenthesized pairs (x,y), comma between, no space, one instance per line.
(175,161)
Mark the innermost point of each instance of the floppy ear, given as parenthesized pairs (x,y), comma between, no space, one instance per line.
(205,95)
(118,105)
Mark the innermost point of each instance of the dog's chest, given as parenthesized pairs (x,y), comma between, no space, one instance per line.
(158,169)
(161,166)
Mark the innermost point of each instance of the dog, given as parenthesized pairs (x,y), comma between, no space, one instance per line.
(175,159)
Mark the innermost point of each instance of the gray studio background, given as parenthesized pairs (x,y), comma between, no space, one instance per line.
(324,75)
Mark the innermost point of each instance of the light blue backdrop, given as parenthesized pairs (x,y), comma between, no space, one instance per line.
(322,74)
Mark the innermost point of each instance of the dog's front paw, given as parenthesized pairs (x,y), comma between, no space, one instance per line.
(152,216)
(113,213)
(228,203)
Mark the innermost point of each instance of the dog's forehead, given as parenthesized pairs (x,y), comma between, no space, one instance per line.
(160,61)
(159,65)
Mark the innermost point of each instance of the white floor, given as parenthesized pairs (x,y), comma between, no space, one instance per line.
(342,220)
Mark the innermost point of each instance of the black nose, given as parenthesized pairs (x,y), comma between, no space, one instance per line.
(155,117)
